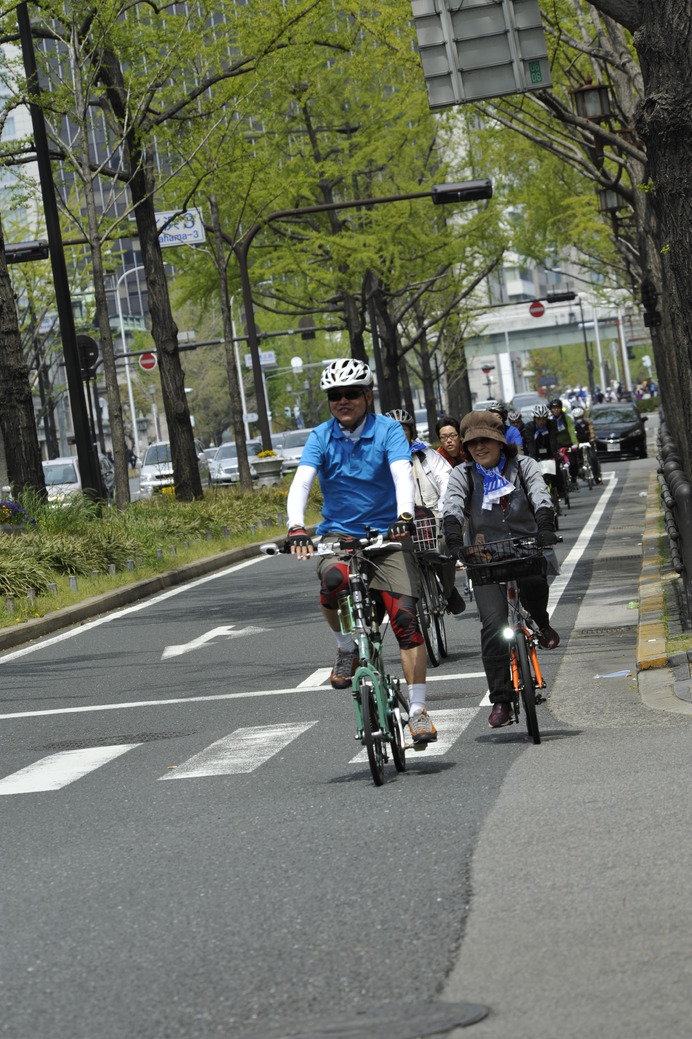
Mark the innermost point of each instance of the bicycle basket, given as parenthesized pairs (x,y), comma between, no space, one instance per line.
(425,535)
(509,560)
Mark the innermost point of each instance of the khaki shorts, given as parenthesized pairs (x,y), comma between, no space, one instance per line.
(392,570)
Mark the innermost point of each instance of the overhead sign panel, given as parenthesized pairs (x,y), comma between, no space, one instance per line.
(476,49)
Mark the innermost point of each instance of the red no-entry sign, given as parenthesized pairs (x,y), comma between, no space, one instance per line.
(147,362)
(537,309)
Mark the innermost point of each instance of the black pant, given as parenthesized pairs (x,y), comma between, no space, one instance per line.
(492,607)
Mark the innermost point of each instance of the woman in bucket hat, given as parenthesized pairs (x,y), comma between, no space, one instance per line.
(494,496)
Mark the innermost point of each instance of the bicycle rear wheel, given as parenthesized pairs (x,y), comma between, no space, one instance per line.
(372,733)
(426,619)
(528,688)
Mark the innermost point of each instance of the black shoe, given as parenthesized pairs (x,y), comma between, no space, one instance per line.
(456,602)
(500,715)
(548,638)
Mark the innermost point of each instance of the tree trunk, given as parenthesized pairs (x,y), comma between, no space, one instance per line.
(662,32)
(188,484)
(17,419)
(115,411)
(233,384)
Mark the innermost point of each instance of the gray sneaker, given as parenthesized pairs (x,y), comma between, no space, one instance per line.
(421,728)
(344,667)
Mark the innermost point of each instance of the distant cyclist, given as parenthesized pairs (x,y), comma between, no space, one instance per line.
(583,427)
(540,441)
(512,435)
(566,435)
(363,462)
(430,478)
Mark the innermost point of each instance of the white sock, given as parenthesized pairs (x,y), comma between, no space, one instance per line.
(345,642)
(417,697)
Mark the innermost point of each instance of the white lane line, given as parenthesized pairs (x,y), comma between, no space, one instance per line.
(90,709)
(449,724)
(226,631)
(135,608)
(243,751)
(567,567)
(57,770)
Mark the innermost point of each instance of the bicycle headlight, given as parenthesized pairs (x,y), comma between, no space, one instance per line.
(508,633)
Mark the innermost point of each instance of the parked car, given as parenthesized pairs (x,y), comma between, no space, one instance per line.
(63,479)
(422,427)
(526,400)
(619,430)
(223,468)
(156,474)
(483,405)
(292,448)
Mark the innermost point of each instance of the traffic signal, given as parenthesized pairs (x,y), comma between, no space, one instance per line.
(287,412)
(560,297)
(652,317)
(649,294)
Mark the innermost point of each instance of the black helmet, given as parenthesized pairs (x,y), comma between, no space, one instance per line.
(556,403)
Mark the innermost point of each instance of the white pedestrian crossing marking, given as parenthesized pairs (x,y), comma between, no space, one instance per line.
(449,724)
(243,751)
(57,770)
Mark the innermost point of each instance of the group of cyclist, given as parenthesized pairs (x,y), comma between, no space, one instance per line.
(482,484)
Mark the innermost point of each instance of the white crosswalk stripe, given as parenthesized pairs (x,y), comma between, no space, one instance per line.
(243,751)
(58,770)
(449,724)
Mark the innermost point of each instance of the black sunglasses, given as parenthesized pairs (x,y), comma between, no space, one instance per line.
(335,395)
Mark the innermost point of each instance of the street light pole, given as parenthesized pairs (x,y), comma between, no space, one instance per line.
(126,352)
(466,191)
(565,297)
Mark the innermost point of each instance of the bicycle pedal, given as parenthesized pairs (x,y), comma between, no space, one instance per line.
(539,698)
(415,746)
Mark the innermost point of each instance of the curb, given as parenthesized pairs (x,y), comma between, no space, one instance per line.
(651,634)
(664,683)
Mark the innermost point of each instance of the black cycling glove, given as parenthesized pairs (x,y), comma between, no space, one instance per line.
(453,535)
(298,537)
(403,528)
(545,519)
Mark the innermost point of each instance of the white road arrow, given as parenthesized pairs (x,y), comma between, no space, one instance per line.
(215,633)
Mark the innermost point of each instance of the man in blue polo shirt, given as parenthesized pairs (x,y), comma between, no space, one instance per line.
(363,463)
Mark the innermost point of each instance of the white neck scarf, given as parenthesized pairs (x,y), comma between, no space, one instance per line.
(494,484)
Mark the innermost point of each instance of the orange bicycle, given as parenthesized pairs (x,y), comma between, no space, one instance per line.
(506,562)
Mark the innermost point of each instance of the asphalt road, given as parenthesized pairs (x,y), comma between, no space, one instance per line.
(193,846)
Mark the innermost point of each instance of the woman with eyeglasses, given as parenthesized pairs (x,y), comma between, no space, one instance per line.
(450,448)
(363,463)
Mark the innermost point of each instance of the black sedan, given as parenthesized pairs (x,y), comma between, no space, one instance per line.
(619,430)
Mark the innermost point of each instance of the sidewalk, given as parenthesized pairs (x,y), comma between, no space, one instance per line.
(580,922)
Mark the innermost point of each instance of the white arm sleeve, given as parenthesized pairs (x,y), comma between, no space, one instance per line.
(298,495)
(402,474)
(441,470)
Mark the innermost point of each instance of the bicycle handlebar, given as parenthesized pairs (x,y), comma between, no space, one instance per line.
(369,543)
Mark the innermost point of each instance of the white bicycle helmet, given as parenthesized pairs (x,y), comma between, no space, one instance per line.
(577,412)
(541,411)
(347,371)
(401,416)
(513,416)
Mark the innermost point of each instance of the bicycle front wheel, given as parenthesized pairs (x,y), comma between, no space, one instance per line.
(372,733)
(426,619)
(528,688)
